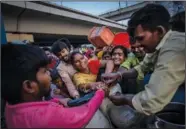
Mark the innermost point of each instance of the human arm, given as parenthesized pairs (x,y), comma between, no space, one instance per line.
(162,86)
(121,73)
(69,84)
(125,72)
(168,75)
(90,86)
(108,65)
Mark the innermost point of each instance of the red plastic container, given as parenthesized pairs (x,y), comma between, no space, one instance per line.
(122,38)
(101,36)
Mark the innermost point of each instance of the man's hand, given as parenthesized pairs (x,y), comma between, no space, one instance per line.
(121,99)
(76,94)
(100,86)
(64,101)
(110,77)
(95,84)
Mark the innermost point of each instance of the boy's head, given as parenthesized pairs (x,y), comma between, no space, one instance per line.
(148,26)
(24,74)
(67,42)
(56,79)
(61,50)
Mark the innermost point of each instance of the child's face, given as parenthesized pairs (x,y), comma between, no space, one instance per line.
(58,83)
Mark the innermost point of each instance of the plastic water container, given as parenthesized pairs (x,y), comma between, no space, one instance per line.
(101,36)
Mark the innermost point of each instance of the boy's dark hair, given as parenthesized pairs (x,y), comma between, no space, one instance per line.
(66,41)
(125,51)
(149,17)
(19,63)
(178,22)
(72,55)
(58,46)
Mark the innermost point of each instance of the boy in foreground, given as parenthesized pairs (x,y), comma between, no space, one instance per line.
(25,81)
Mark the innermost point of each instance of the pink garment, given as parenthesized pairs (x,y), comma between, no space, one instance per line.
(49,114)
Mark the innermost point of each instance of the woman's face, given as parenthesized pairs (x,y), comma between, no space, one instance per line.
(80,62)
(118,56)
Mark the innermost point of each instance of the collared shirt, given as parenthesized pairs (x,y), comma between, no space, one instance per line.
(66,72)
(149,60)
(168,62)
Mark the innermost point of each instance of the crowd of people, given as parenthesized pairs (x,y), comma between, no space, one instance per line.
(142,77)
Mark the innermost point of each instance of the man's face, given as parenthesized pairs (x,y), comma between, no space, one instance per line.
(44,80)
(63,55)
(147,40)
(41,87)
(138,50)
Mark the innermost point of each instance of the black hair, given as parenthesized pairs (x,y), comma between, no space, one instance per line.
(58,46)
(72,55)
(66,41)
(19,63)
(125,51)
(149,17)
(46,49)
(178,22)
(106,53)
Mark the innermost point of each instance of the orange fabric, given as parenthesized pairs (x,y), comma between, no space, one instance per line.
(122,38)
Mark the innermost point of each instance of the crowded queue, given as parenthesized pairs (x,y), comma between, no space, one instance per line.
(38,84)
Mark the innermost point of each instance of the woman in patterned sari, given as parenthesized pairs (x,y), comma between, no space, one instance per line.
(86,76)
